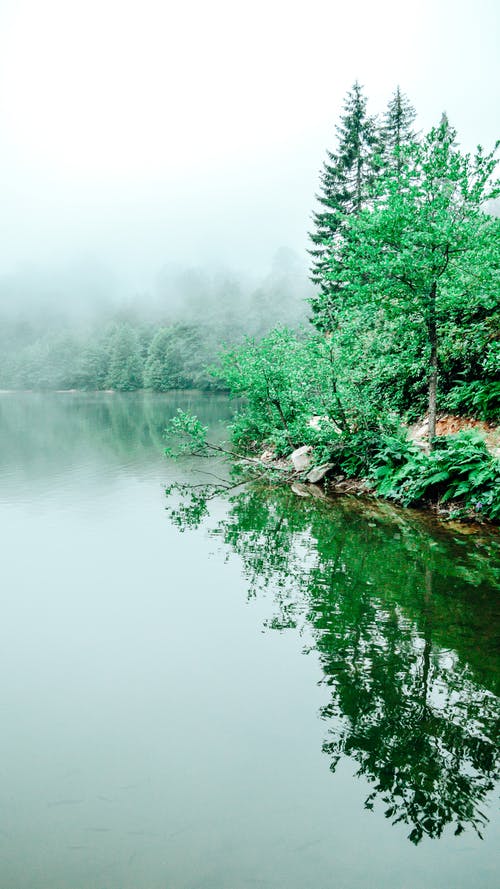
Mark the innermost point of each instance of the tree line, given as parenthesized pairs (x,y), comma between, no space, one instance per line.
(160,342)
(406,267)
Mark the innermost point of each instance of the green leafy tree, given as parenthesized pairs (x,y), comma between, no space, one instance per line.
(49,363)
(427,253)
(346,181)
(175,359)
(285,380)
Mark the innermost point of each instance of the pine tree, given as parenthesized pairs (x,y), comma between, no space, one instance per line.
(346,179)
(125,362)
(396,130)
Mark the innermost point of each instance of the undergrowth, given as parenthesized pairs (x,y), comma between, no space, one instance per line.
(459,471)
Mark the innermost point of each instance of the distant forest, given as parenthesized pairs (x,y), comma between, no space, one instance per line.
(50,340)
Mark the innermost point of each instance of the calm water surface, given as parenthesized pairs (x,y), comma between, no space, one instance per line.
(256,692)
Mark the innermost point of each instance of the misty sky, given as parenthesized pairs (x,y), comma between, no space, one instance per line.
(140,133)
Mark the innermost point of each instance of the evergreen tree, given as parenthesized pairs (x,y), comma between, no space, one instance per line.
(346,180)
(175,359)
(125,363)
(93,366)
(396,130)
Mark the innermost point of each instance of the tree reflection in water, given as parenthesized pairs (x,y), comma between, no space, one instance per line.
(403,615)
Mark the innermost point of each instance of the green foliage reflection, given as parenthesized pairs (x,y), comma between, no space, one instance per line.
(402,615)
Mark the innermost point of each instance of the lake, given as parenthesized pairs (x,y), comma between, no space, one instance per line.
(257,690)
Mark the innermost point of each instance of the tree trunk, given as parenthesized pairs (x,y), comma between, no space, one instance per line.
(341,415)
(358,182)
(278,407)
(433,374)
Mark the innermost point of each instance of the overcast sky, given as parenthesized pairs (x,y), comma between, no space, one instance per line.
(137,133)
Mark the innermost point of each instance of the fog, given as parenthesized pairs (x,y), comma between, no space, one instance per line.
(142,137)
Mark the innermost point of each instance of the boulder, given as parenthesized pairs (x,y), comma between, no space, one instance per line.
(300,490)
(318,492)
(318,473)
(302,458)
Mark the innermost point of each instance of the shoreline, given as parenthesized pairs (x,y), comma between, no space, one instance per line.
(360,490)
(325,483)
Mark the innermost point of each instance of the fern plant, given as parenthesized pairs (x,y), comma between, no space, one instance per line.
(459,468)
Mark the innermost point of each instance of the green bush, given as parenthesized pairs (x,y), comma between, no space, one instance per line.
(460,468)
(478,398)
(285,380)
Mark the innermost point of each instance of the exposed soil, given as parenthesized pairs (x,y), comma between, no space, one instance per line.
(449,424)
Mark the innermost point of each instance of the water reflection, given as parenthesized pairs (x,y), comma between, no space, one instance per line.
(68,431)
(404,619)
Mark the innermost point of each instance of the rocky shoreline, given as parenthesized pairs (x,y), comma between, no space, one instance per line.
(324,482)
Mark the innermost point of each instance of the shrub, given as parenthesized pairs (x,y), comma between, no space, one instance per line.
(479,398)
(459,468)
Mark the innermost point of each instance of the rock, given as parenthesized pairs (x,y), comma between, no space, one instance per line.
(318,473)
(317,421)
(318,492)
(300,490)
(418,433)
(266,456)
(302,458)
